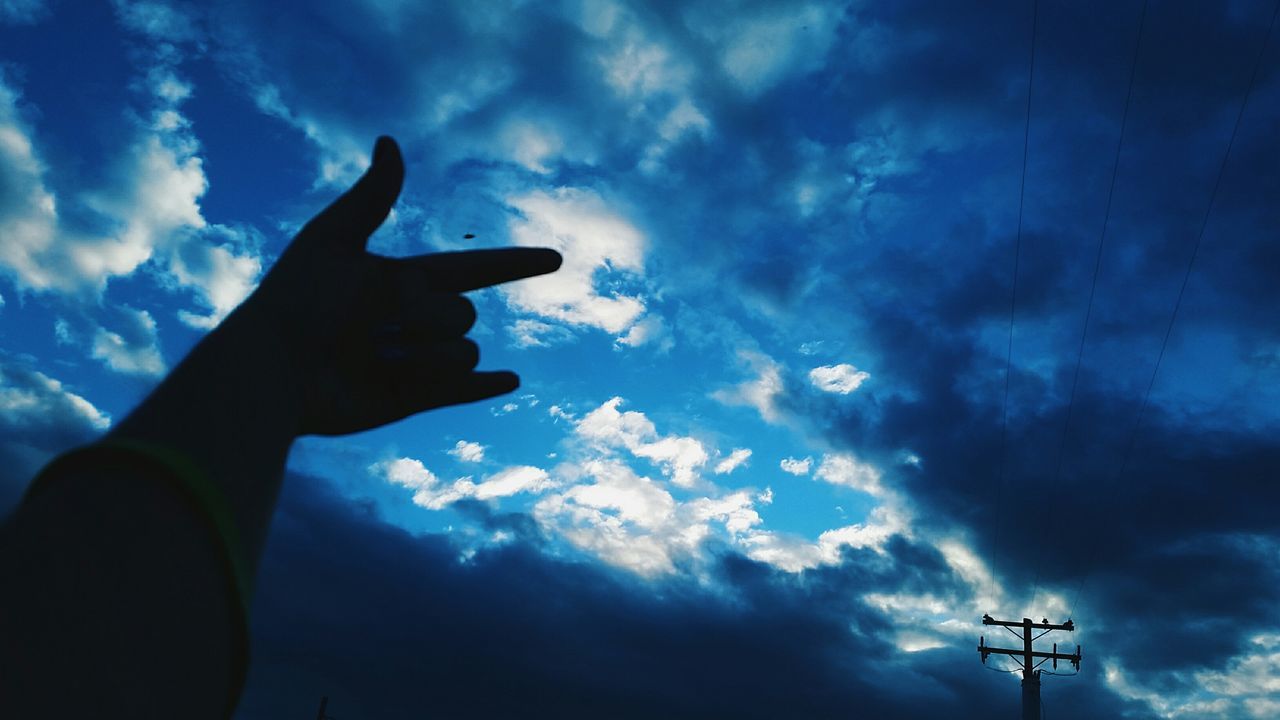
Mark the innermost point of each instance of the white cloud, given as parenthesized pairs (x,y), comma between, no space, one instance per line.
(157,20)
(680,458)
(760,48)
(595,241)
(39,417)
(845,469)
(639,67)
(221,275)
(512,480)
(796,466)
(431,493)
(407,472)
(33,401)
(733,462)
(149,211)
(761,392)
(649,330)
(468,451)
(28,210)
(631,522)
(793,554)
(623,519)
(134,349)
(531,146)
(527,332)
(505,409)
(842,379)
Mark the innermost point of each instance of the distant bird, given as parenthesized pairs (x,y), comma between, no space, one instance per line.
(1045,621)
(468,236)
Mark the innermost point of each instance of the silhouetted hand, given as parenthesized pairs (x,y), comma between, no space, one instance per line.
(364,340)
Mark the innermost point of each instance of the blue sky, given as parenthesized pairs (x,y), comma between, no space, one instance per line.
(755,466)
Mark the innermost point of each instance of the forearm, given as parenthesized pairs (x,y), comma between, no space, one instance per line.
(231,408)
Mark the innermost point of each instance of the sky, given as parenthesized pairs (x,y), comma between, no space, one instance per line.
(828,372)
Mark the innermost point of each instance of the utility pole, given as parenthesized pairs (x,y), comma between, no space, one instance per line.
(1030,674)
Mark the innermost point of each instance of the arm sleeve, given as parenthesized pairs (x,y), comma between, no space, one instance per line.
(206,503)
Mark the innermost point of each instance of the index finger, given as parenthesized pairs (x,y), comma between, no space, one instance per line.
(474,269)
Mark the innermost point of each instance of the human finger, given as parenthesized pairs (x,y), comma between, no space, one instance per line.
(425,315)
(414,360)
(467,388)
(351,219)
(474,269)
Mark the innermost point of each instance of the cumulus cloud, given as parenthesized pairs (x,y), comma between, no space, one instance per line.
(761,392)
(793,554)
(679,457)
(150,211)
(158,20)
(527,332)
(841,379)
(28,210)
(222,274)
(595,242)
(39,417)
(735,641)
(433,494)
(761,44)
(796,466)
(847,470)
(735,460)
(630,521)
(468,451)
(22,12)
(132,347)
(29,399)
(649,330)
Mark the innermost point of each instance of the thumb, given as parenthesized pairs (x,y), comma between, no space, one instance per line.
(350,220)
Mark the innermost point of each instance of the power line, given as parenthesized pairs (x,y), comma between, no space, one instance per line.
(1190,264)
(1013,298)
(1097,264)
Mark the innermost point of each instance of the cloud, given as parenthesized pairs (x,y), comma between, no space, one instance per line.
(133,348)
(735,460)
(631,522)
(578,637)
(595,241)
(792,554)
(158,20)
(39,417)
(28,210)
(679,457)
(762,392)
(761,44)
(795,466)
(23,12)
(527,332)
(432,494)
(149,212)
(847,470)
(222,275)
(468,451)
(841,379)
(649,330)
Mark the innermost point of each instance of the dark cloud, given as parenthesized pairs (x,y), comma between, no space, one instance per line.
(390,625)
(1181,529)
